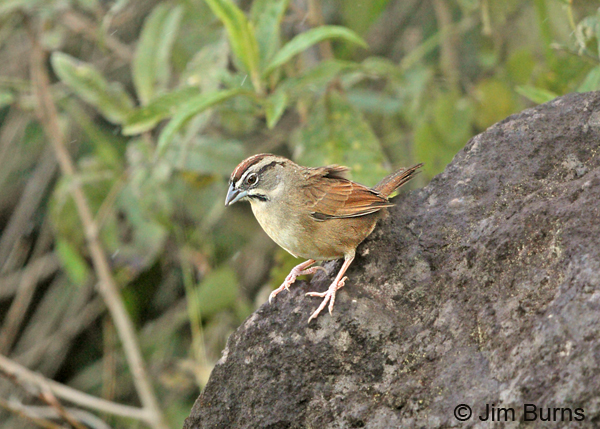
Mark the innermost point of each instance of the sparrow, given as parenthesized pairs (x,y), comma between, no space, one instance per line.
(315,213)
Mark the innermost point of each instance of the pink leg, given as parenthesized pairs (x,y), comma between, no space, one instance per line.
(329,294)
(298,270)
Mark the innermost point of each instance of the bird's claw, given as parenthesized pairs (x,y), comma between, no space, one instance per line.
(291,278)
(328,295)
(313,270)
(285,285)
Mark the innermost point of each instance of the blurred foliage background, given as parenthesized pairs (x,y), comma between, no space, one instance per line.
(138,111)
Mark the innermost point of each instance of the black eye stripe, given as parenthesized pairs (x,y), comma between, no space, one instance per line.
(268,166)
(259,197)
(247,174)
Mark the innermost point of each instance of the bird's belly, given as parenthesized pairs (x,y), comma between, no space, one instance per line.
(310,239)
(290,235)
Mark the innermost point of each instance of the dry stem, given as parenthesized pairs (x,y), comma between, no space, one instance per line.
(107,287)
(27,416)
(29,379)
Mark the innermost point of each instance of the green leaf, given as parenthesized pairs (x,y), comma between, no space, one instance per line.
(453,118)
(193,107)
(266,16)
(205,155)
(305,40)
(150,66)
(418,53)
(520,65)
(382,67)
(586,31)
(537,95)
(495,101)
(359,15)
(218,290)
(208,68)
(336,133)
(276,104)
(161,107)
(591,81)
(428,149)
(315,79)
(241,34)
(596,29)
(6,98)
(10,6)
(105,144)
(142,202)
(545,30)
(375,102)
(89,5)
(109,98)
(72,262)
(444,130)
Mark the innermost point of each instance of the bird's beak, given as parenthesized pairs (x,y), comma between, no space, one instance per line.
(234,195)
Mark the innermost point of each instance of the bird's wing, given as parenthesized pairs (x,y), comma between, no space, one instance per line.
(331,196)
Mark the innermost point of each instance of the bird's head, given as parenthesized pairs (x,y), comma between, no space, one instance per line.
(256,178)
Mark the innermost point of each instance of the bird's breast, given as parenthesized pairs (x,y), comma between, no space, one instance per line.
(284,229)
(307,238)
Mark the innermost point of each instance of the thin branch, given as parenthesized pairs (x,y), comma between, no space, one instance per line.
(44,266)
(18,308)
(29,202)
(486,22)
(390,25)
(315,18)
(48,397)
(46,412)
(79,23)
(109,359)
(25,377)
(76,324)
(107,287)
(448,42)
(27,416)
(193,307)
(108,203)
(11,134)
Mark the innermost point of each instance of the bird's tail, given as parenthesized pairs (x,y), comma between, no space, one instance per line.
(392,182)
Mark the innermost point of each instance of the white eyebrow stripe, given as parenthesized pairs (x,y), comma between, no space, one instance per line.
(254,168)
(244,176)
(247,163)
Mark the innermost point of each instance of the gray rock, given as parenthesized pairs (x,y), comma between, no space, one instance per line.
(481,288)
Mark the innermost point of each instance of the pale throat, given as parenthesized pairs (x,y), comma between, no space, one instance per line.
(279,228)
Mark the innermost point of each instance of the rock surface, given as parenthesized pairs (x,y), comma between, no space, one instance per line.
(481,288)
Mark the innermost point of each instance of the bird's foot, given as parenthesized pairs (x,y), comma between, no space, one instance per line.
(291,278)
(328,296)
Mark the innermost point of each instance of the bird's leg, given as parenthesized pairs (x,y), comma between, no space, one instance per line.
(298,270)
(329,294)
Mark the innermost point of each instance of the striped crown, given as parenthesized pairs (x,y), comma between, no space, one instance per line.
(245,165)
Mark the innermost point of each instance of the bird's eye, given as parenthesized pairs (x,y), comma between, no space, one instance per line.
(252,179)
